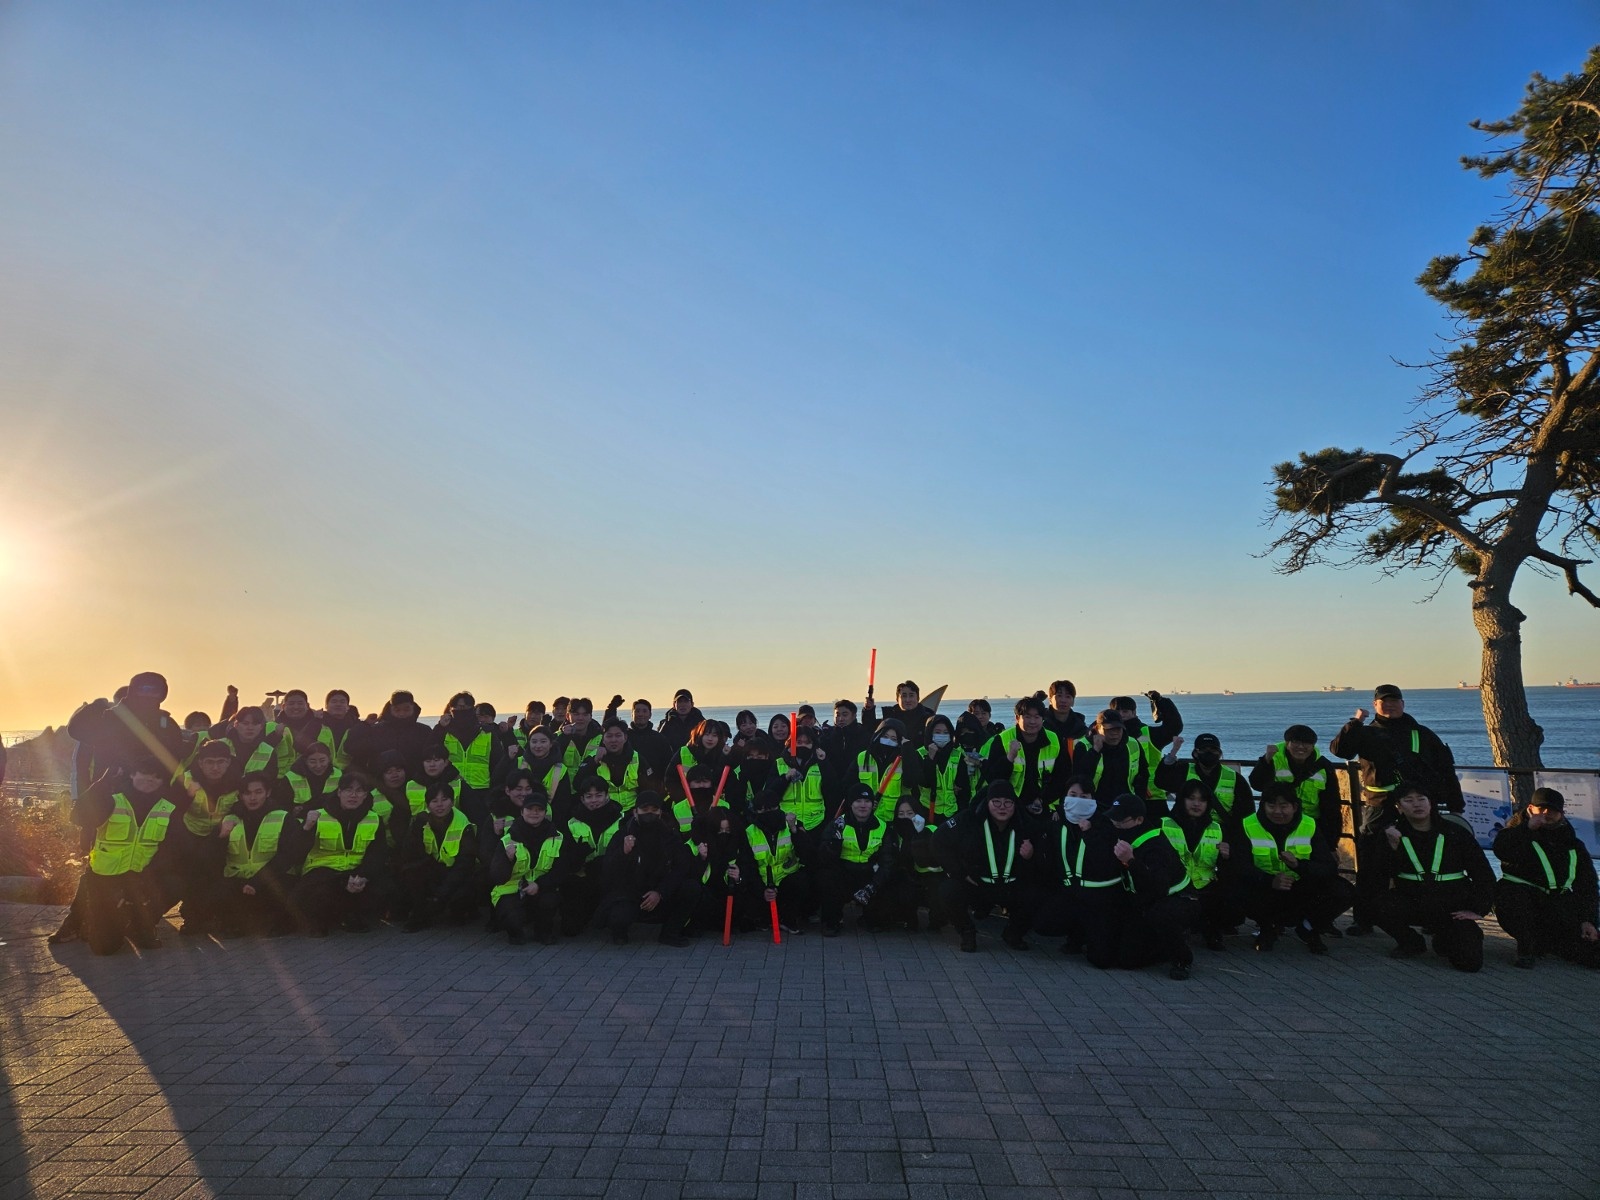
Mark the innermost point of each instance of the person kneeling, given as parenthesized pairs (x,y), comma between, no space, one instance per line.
(260,847)
(856,861)
(341,867)
(650,876)
(135,872)
(525,875)
(987,854)
(438,869)
(1547,894)
(1290,876)
(1431,873)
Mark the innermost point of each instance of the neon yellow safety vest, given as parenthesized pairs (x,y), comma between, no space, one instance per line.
(593,846)
(417,793)
(684,811)
(122,844)
(1429,874)
(1141,840)
(1072,867)
(1048,755)
(329,849)
(448,850)
(625,790)
(868,772)
(1264,847)
(1134,759)
(775,860)
(1227,784)
(943,798)
(525,869)
(246,858)
(205,812)
(852,851)
(804,798)
(264,752)
(996,875)
(472,759)
(1550,887)
(1201,862)
(301,785)
(1416,748)
(1309,790)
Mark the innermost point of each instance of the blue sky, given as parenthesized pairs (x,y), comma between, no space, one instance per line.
(540,349)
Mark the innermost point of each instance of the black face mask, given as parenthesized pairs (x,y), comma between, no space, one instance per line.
(769,818)
(905,826)
(1207,758)
(647,818)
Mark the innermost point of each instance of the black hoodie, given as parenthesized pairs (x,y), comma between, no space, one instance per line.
(1513,846)
(659,860)
(534,837)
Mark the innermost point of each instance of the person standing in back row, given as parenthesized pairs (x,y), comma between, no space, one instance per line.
(1394,747)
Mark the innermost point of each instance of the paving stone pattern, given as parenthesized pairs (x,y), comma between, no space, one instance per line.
(880,1067)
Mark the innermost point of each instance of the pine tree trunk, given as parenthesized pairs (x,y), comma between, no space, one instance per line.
(1514,737)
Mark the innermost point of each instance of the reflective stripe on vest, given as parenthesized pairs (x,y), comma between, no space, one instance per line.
(583,833)
(1048,754)
(524,869)
(1431,873)
(858,853)
(1550,887)
(1264,847)
(804,799)
(626,790)
(447,851)
(776,861)
(301,786)
(996,875)
(122,844)
(329,850)
(1074,870)
(264,752)
(869,773)
(1201,862)
(1227,782)
(1308,789)
(1133,765)
(472,759)
(1416,748)
(204,813)
(246,858)
(1141,840)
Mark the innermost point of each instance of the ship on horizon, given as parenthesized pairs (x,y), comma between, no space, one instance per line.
(1464,686)
(1572,681)
(1335,687)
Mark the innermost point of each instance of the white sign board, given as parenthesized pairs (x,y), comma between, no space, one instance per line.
(1582,793)
(1488,803)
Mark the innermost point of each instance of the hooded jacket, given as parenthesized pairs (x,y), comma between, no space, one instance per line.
(1384,746)
(1514,847)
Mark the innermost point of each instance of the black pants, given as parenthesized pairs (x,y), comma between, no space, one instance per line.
(1219,909)
(427,890)
(1544,924)
(580,899)
(961,897)
(1091,918)
(1459,941)
(1318,901)
(322,899)
(840,882)
(619,910)
(924,890)
(200,860)
(794,901)
(232,911)
(113,907)
(516,912)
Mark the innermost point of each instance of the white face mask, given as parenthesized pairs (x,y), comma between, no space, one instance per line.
(1078,808)
(888,741)
(941,740)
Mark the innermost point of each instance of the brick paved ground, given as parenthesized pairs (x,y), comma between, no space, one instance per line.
(449,1064)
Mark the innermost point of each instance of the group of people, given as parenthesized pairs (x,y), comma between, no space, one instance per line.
(1088,828)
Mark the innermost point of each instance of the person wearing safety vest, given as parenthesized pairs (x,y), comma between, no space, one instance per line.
(580,735)
(1226,786)
(1167,723)
(1114,764)
(1288,875)
(889,767)
(478,752)
(589,832)
(1084,888)
(302,728)
(809,786)
(550,774)
(650,876)
(855,861)
(260,845)
(346,731)
(257,744)
(1162,905)
(1315,779)
(310,783)
(1194,827)
(526,873)
(1547,894)
(1061,718)
(619,764)
(654,750)
(760,762)
(133,873)
(437,869)
(989,854)
(917,870)
(946,770)
(533,718)
(1029,759)
(1436,878)
(212,784)
(779,846)
(346,855)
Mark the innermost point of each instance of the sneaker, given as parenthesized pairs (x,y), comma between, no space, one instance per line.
(1015,940)
(1266,938)
(1178,971)
(791,930)
(192,929)
(145,939)
(672,939)
(1072,947)
(1357,929)
(830,930)
(1213,941)
(1525,961)
(1312,939)
(619,939)
(1331,931)
(1414,948)
(969,942)
(515,937)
